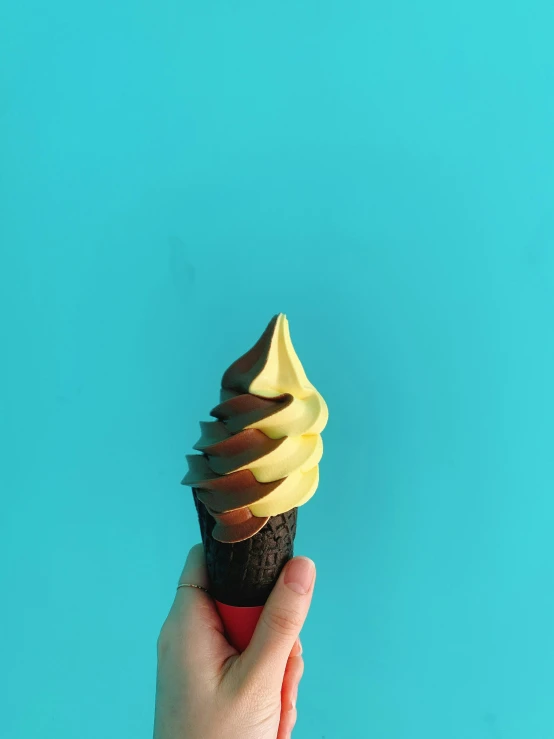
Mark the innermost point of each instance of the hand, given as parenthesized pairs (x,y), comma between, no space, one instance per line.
(205,688)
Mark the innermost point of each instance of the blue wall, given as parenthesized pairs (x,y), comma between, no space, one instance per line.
(172,174)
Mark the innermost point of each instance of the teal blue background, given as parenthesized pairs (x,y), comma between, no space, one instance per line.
(172,174)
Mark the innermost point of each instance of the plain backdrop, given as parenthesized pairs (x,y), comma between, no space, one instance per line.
(171,175)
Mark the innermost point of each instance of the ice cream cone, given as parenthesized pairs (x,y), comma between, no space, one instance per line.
(243,574)
(257,462)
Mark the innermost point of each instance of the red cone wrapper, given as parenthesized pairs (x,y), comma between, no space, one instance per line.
(240,623)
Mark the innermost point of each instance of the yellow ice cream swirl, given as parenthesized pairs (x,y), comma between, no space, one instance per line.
(261,457)
(299,424)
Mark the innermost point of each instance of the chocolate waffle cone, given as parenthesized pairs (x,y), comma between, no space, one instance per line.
(244,573)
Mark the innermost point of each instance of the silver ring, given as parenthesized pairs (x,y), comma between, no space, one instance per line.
(190,585)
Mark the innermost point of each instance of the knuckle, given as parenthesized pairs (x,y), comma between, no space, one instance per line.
(282,621)
(293,717)
(164,641)
(293,664)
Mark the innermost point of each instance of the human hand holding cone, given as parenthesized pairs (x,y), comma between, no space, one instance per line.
(258,462)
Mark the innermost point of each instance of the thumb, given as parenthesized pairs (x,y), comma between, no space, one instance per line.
(281,621)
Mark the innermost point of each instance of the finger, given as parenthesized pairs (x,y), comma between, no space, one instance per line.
(287,724)
(189,602)
(293,674)
(195,571)
(280,623)
(193,621)
(291,681)
(297,648)
(187,599)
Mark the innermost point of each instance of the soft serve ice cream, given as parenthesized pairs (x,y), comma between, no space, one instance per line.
(260,457)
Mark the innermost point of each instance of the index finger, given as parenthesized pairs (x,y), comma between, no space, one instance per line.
(193,583)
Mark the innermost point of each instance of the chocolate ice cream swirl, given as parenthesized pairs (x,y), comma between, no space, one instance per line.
(260,457)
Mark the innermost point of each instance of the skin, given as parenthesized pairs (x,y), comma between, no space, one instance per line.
(205,688)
